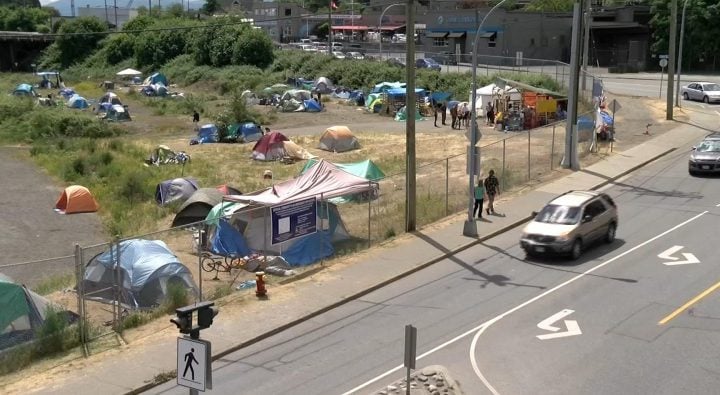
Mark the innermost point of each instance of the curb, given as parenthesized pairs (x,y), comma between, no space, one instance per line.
(393,279)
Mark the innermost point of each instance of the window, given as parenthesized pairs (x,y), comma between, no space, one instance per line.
(288,12)
(595,208)
(440,42)
(532,42)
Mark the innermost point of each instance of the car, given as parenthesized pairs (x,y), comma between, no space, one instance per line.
(427,63)
(307,48)
(570,223)
(396,62)
(707,92)
(355,55)
(705,157)
(338,55)
(336,46)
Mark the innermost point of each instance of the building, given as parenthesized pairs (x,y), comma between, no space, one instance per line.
(113,16)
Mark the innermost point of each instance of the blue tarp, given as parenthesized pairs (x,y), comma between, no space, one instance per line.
(208,134)
(385,86)
(24,90)
(66,92)
(156,78)
(251,132)
(401,92)
(312,106)
(606,118)
(227,241)
(440,96)
(309,249)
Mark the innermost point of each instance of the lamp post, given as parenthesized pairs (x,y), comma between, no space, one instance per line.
(470,227)
(680,48)
(380,24)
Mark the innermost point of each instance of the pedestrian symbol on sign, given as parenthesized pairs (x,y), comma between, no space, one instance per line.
(189,359)
(193,363)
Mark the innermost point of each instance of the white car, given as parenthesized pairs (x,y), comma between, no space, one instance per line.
(355,55)
(338,55)
(705,91)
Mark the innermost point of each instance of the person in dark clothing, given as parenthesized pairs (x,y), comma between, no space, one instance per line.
(443,112)
(492,189)
(196,117)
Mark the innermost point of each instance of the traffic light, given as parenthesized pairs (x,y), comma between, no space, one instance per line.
(206,315)
(183,321)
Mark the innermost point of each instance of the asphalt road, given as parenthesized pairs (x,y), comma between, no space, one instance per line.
(477,313)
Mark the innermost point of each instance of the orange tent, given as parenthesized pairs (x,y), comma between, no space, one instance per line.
(76,199)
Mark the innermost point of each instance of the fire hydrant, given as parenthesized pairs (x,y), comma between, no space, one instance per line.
(260,290)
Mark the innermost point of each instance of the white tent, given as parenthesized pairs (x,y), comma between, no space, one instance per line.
(129,72)
(488,93)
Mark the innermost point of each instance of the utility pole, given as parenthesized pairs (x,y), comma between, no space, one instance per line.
(586,43)
(671,60)
(680,54)
(410,111)
(330,7)
(570,160)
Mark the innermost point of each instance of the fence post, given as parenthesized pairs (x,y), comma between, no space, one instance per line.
(116,286)
(370,196)
(318,215)
(200,269)
(552,149)
(528,166)
(502,170)
(447,185)
(79,275)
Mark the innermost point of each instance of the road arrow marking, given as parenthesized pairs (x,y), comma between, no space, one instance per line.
(573,329)
(668,255)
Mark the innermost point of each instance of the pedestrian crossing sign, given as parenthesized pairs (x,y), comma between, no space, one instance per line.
(193,363)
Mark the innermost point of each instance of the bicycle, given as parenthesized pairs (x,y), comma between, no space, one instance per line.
(216,263)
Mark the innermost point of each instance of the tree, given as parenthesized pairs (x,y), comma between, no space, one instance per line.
(550,6)
(254,48)
(79,39)
(210,7)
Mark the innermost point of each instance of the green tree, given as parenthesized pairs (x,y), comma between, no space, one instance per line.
(550,6)
(253,48)
(173,37)
(210,7)
(20,3)
(175,11)
(79,39)
(24,19)
(118,48)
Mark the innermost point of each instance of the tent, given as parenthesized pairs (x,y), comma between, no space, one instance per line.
(366,169)
(156,78)
(295,151)
(175,190)
(146,269)
(66,92)
(117,113)
(338,139)
(323,85)
(110,97)
(385,86)
(270,147)
(77,101)
(402,115)
(245,132)
(76,199)
(488,94)
(250,97)
(311,106)
(208,134)
(323,179)
(293,99)
(197,206)
(128,73)
(222,210)
(226,189)
(163,155)
(22,313)
(24,90)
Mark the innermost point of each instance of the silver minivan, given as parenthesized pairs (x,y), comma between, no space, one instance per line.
(570,223)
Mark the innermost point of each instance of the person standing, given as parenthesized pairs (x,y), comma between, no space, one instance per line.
(479,196)
(492,189)
(196,117)
(453,106)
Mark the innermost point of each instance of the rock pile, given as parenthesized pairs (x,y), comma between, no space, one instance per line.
(432,380)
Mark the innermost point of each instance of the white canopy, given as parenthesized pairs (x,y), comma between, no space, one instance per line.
(129,72)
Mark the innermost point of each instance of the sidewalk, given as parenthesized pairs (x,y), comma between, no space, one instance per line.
(132,368)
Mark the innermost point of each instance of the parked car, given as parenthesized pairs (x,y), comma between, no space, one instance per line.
(336,46)
(427,63)
(307,48)
(570,223)
(447,58)
(355,55)
(705,157)
(708,92)
(338,55)
(396,62)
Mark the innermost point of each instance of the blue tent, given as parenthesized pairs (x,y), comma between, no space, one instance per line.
(208,134)
(156,78)
(24,90)
(420,92)
(250,132)
(77,101)
(147,269)
(227,241)
(66,92)
(312,106)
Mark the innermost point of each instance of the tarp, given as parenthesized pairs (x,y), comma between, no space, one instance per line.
(208,134)
(323,179)
(366,169)
(117,113)
(197,206)
(178,189)
(110,97)
(24,90)
(250,97)
(338,139)
(323,85)
(385,86)
(221,210)
(401,91)
(156,78)
(227,241)
(270,147)
(226,189)
(76,199)
(128,72)
(147,268)
(295,151)
(250,131)
(66,92)
(402,115)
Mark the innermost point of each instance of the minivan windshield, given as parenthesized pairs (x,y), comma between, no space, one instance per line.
(709,146)
(555,214)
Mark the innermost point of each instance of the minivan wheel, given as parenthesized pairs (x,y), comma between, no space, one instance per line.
(576,250)
(706,100)
(610,234)
(685,96)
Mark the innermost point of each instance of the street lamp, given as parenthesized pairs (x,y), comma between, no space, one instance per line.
(380,24)
(470,228)
(679,65)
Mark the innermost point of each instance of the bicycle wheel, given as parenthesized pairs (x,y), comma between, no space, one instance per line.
(208,263)
(234,262)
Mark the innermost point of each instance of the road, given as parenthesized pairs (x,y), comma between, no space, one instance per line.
(477,313)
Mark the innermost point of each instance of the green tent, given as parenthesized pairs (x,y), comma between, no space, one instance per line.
(366,169)
(222,209)
(22,313)
(402,116)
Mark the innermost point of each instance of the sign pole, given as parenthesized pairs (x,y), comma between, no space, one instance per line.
(410,353)
(662,73)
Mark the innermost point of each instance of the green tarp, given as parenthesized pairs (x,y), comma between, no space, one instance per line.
(13,303)
(402,115)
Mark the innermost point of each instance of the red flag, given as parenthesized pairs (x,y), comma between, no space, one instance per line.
(333,5)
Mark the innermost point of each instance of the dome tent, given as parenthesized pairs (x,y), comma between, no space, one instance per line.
(338,139)
(175,190)
(76,199)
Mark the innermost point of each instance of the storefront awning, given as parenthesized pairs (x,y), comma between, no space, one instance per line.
(349,27)
(436,34)
(456,34)
(490,35)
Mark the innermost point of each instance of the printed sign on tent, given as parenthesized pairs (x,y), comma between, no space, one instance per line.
(293,220)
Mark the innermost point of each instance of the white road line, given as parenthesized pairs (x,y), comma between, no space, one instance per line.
(481,328)
(717,205)
(717,112)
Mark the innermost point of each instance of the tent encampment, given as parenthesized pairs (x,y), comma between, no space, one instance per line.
(163,155)
(338,139)
(293,99)
(106,101)
(24,90)
(488,94)
(175,190)
(197,206)
(270,147)
(77,101)
(66,92)
(22,313)
(385,86)
(250,97)
(147,268)
(76,199)
(323,179)
(155,79)
(310,106)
